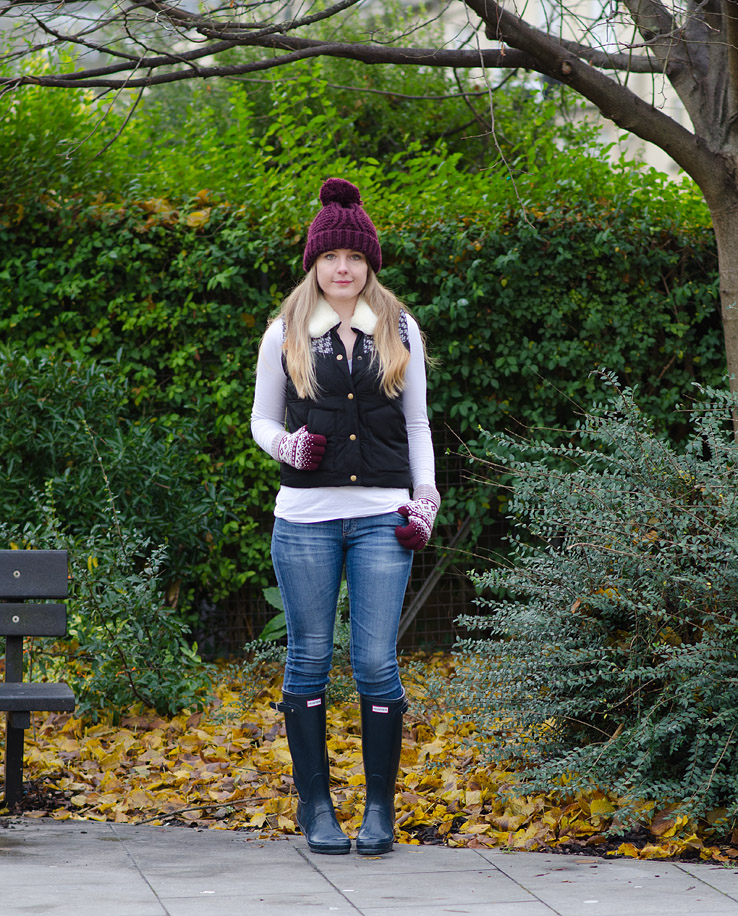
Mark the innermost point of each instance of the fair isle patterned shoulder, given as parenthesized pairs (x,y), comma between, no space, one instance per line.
(402,329)
(324,345)
(368,345)
(404,333)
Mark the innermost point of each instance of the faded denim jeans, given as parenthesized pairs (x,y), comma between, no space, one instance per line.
(309,560)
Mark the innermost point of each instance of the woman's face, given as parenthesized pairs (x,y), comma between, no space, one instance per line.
(341,275)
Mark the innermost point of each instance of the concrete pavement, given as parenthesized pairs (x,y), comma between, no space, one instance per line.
(76,868)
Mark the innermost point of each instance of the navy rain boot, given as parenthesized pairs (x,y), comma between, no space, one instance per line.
(304,717)
(381,738)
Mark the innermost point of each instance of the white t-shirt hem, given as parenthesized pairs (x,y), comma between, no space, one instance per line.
(306,505)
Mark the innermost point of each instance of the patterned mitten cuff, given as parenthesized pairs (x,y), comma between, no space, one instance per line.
(420,513)
(426,491)
(301,449)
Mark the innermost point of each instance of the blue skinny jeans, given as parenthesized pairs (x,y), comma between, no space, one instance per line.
(309,560)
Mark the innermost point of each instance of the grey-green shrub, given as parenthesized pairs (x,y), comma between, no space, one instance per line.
(607,652)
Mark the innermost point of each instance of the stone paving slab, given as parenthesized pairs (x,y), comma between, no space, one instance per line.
(572,886)
(720,877)
(77,868)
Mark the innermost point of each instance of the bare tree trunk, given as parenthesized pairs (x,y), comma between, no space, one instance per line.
(725,221)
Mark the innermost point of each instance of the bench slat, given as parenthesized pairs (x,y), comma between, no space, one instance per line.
(33,620)
(36,697)
(33,574)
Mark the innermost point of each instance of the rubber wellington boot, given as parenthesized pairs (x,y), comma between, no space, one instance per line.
(381,738)
(304,717)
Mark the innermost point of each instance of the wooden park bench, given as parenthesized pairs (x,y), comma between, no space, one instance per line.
(28,574)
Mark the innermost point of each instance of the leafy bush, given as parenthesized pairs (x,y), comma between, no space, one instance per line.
(607,653)
(72,425)
(52,143)
(80,470)
(125,646)
(133,648)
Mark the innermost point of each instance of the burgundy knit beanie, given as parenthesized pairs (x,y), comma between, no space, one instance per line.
(342,223)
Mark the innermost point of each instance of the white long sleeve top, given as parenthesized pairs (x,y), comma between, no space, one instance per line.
(318,504)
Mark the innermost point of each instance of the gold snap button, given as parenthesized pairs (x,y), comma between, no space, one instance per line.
(353,478)
(352,437)
(351,397)
(340,356)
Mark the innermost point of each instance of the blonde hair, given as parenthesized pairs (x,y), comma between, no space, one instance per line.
(389,351)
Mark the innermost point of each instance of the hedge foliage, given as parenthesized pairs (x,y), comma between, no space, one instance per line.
(75,424)
(518,311)
(162,256)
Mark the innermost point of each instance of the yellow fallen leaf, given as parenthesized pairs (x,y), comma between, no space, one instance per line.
(601,806)
(190,815)
(61,814)
(473,797)
(627,849)
(139,799)
(653,851)
(665,824)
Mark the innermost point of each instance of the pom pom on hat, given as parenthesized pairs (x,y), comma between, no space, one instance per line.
(342,223)
(339,191)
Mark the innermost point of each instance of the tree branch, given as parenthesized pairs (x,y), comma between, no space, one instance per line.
(468,58)
(213,29)
(651,19)
(78,40)
(491,58)
(616,102)
(370,54)
(627,62)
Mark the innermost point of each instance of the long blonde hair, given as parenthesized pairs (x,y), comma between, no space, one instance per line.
(389,350)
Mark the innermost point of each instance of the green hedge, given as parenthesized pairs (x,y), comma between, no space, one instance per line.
(608,268)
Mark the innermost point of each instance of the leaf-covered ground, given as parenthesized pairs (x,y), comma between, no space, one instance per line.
(229,768)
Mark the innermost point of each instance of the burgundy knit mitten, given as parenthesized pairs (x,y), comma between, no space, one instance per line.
(420,513)
(301,449)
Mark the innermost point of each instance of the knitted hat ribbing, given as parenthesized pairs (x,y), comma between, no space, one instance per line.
(342,223)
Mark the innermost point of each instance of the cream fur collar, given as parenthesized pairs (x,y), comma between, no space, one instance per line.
(324,318)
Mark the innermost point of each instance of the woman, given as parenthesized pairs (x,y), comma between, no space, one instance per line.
(344,363)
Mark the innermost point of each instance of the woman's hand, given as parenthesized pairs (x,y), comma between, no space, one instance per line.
(420,513)
(301,449)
